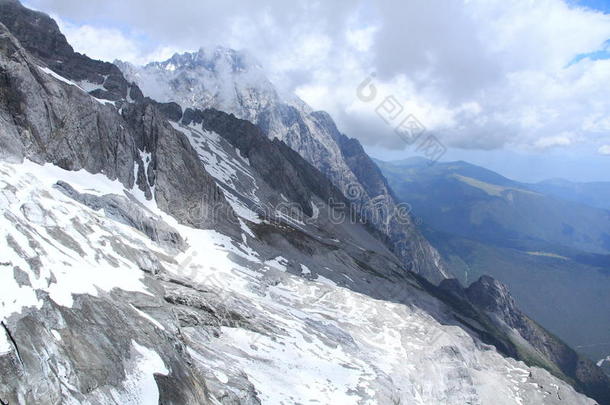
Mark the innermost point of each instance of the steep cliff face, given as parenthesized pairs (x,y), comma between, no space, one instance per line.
(231,81)
(279,166)
(493,298)
(41,36)
(47,117)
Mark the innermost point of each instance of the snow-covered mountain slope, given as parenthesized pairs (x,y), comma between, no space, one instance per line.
(96,312)
(486,302)
(232,81)
(197,261)
(222,78)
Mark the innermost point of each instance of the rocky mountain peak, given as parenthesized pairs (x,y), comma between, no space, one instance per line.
(217,77)
(491,295)
(211,59)
(40,35)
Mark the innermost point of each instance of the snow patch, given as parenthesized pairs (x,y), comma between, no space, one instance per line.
(5,345)
(225,168)
(140,384)
(278,263)
(84,85)
(148,318)
(58,77)
(82,181)
(307,372)
(305,269)
(46,245)
(222,377)
(104,102)
(88,86)
(324,280)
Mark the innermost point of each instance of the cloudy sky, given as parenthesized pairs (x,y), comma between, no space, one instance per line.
(521,86)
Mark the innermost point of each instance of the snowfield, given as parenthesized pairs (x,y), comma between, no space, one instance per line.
(284,339)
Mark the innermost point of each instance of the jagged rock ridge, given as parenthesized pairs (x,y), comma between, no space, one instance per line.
(113,293)
(233,82)
(45,120)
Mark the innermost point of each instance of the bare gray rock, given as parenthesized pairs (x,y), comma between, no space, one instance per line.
(55,121)
(129,212)
(199,80)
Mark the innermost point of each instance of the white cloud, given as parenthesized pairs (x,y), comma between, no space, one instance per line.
(480,74)
(110,44)
(551,141)
(604,150)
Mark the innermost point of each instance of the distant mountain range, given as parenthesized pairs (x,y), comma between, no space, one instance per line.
(549,242)
(594,194)
(474,202)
